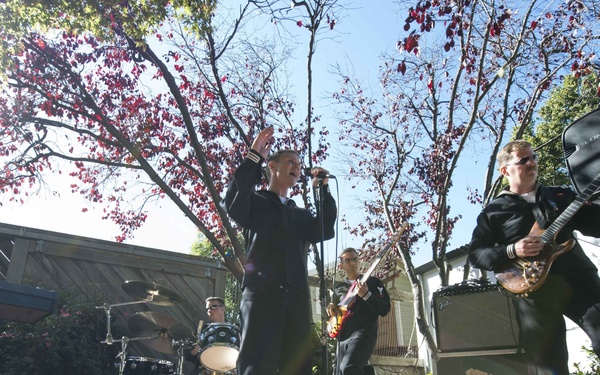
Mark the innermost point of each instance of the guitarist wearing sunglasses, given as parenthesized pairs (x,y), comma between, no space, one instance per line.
(525,235)
(359,305)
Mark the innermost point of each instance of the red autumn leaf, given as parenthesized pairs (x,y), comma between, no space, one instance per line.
(299,23)
(402,67)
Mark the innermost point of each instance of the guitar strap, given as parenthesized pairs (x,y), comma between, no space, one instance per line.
(545,210)
(349,295)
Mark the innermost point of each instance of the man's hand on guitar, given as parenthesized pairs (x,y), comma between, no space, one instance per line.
(361,289)
(529,246)
(333,310)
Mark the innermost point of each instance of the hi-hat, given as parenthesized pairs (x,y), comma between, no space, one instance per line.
(157,294)
(160,330)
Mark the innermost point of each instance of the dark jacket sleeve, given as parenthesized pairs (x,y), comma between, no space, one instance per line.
(379,301)
(242,204)
(326,229)
(508,218)
(238,198)
(484,252)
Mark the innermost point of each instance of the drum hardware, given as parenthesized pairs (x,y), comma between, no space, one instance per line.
(107,307)
(157,331)
(148,366)
(181,345)
(122,356)
(167,329)
(150,292)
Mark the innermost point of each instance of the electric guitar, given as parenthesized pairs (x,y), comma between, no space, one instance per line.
(336,322)
(525,275)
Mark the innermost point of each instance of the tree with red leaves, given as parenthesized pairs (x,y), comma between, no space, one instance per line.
(142,101)
(467,76)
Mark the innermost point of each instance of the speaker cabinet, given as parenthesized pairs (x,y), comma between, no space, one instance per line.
(581,146)
(474,318)
(24,303)
(504,364)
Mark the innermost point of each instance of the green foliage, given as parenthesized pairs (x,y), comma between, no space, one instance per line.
(593,367)
(317,351)
(575,98)
(204,248)
(196,15)
(66,342)
(103,19)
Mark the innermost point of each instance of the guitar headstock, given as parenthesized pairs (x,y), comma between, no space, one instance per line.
(396,236)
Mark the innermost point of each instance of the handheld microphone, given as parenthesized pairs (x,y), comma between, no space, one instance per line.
(319,175)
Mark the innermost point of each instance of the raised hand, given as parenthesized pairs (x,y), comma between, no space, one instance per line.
(263,142)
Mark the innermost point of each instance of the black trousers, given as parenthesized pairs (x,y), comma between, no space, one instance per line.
(353,353)
(542,326)
(276,332)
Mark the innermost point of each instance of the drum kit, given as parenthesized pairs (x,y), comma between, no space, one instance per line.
(162,333)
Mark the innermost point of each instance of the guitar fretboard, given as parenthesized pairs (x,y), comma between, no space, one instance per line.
(567,214)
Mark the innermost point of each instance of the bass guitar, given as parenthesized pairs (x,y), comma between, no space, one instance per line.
(525,275)
(336,322)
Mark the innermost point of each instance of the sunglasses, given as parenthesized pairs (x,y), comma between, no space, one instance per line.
(213,307)
(525,160)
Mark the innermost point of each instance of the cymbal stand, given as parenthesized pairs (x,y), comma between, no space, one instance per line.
(123,353)
(181,344)
(109,339)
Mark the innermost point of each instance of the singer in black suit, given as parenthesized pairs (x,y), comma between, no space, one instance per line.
(275,308)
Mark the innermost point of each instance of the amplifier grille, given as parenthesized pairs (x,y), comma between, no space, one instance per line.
(474,319)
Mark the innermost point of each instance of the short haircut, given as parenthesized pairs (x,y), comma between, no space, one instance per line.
(347,250)
(504,155)
(278,154)
(218,299)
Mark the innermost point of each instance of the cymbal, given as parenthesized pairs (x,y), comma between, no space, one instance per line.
(161,295)
(162,327)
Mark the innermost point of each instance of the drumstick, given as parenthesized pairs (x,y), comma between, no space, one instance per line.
(200,324)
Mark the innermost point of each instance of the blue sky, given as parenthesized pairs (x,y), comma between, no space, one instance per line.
(368,30)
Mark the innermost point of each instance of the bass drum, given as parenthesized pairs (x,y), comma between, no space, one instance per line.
(220,347)
(147,366)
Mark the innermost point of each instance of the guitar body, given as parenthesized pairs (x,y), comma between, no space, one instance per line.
(335,323)
(525,275)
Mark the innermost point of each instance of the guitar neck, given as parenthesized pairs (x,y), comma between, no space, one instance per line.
(550,233)
(381,254)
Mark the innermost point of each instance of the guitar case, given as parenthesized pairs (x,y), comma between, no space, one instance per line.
(581,147)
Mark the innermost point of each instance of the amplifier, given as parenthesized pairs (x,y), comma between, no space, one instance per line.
(474,318)
(25,303)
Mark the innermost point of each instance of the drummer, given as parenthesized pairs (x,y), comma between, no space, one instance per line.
(215,308)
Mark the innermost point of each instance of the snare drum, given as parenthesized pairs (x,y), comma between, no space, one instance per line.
(147,366)
(220,344)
